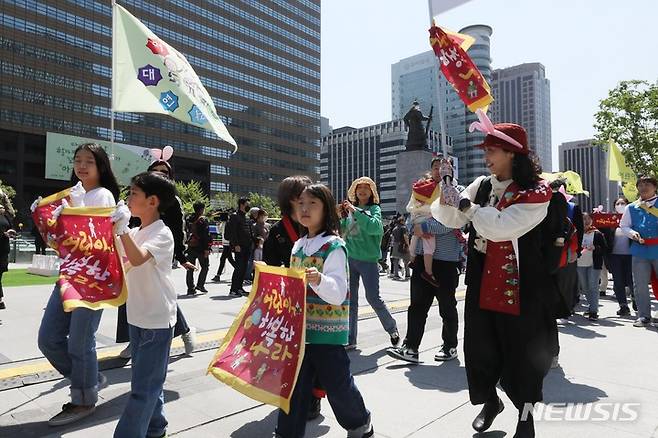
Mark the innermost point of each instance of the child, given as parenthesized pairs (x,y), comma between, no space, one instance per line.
(68,340)
(424,192)
(258,251)
(151,306)
(326,336)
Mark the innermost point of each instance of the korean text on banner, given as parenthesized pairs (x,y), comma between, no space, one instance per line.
(460,71)
(263,351)
(150,76)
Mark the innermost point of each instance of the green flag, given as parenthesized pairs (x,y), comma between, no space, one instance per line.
(150,76)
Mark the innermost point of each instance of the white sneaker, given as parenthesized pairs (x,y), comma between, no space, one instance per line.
(189,340)
(641,322)
(125,353)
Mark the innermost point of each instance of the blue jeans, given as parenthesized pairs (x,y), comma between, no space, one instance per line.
(589,284)
(642,276)
(144,413)
(331,365)
(370,274)
(68,341)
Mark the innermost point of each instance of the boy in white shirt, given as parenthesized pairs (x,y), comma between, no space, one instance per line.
(151,306)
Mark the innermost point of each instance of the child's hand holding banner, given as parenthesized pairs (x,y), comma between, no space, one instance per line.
(263,351)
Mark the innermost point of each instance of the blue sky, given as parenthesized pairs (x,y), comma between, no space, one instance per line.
(587,47)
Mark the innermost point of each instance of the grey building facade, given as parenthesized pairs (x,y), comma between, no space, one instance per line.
(523,96)
(348,153)
(590,162)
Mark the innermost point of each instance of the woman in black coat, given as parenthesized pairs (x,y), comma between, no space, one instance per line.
(6,231)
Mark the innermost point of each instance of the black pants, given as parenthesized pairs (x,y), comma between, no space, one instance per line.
(192,256)
(1,292)
(422,297)
(515,350)
(226,255)
(621,267)
(123,332)
(566,279)
(240,268)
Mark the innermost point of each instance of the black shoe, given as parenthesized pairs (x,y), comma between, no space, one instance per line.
(395,338)
(2,305)
(593,317)
(525,429)
(216,279)
(314,409)
(634,306)
(191,292)
(243,292)
(235,293)
(403,353)
(488,414)
(602,293)
(370,433)
(624,311)
(202,289)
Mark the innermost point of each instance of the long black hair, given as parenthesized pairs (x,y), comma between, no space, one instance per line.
(105,176)
(331,223)
(525,170)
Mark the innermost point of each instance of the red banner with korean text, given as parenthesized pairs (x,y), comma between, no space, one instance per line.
(460,71)
(605,220)
(43,215)
(90,274)
(263,351)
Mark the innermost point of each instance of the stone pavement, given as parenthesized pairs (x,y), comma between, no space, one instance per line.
(602,364)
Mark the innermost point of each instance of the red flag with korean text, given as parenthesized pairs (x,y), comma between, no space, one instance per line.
(460,71)
(91,273)
(263,351)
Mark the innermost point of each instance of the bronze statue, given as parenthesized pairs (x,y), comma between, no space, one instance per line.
(413,120)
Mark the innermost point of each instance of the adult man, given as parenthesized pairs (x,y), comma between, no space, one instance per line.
(445,269)
(640,224)
(240,236)
(199,243)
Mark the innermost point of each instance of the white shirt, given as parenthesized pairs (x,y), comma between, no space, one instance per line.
(333,278)
(151,293)
(99,197)
(626,222)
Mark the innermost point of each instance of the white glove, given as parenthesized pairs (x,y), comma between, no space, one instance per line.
(120,218)
(35,204)
(77,195)
(59,209)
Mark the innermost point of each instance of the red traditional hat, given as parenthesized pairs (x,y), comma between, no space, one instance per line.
(426,190)
(508,136)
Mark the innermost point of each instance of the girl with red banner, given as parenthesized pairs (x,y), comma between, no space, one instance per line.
(510,329)
(323,256)
(68,339)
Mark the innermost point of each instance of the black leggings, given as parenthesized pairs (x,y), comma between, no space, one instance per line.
(1,294)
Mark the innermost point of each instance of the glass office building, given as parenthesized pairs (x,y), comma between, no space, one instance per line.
(259,60)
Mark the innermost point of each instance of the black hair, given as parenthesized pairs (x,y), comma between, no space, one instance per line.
(646,179)
(198,206)
(622,198)
(289,190)
(105,176)
(525,170)
(242,201)
(331,223)
(154,184)
(156,163)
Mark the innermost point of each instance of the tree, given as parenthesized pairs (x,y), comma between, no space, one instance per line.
(190,193)
(629,116)
(266,203)
(7,189)
(225,200)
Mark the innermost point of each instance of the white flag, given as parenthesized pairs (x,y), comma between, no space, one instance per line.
(150,76)
(439,6)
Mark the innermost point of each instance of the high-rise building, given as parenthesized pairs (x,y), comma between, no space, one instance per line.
(418,77)
(259,60)
(523,96)
(590,162)
(325,127)
(349,153)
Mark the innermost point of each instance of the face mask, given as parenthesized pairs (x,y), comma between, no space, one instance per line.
(620,209)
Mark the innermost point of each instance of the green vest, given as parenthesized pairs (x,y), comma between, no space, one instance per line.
(325,323)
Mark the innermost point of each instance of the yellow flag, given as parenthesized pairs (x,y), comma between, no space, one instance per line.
(618,170)
(573,181)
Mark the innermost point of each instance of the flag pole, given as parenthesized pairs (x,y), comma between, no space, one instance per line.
(439,104)
(112,85)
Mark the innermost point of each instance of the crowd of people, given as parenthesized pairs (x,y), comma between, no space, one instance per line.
(528,252)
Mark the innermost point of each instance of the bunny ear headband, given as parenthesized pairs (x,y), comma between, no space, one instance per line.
(485,126)
(162,155)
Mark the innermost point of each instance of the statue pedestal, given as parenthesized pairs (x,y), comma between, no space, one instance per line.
(411,166)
